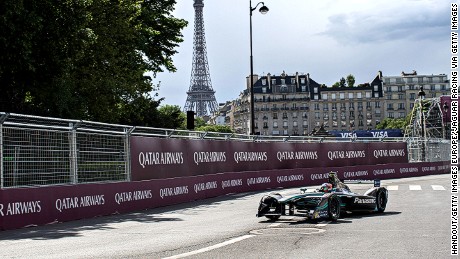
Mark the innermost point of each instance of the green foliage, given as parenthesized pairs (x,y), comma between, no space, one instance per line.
(86,59)
(391,123)
(342,82)
(215,128)
(350,80)
(171,117)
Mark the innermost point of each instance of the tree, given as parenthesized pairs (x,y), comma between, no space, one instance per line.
(171,117)
(350,80)
(342,82)
(215,128)
(85,59)
(392,123)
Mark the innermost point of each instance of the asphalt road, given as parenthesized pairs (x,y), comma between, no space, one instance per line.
(416,224)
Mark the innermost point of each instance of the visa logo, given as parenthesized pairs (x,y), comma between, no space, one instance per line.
(380,134)
(348,135)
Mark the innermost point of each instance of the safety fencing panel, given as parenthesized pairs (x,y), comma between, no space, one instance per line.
(42,151)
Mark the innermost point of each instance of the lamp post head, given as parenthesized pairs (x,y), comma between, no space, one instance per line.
(421,93)
(263,9)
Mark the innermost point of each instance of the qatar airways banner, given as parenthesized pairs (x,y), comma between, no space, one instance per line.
(44,205)
(156,158)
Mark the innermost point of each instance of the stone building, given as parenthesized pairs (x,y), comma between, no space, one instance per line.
(297,104)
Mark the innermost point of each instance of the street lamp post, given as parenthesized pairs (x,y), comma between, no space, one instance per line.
(421,95)
(262,10)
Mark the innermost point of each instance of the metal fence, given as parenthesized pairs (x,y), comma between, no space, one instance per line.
(38,151)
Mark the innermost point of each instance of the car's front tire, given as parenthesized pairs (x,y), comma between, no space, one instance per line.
(333,208)
(381,199)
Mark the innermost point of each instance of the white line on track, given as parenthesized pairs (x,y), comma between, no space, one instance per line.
(209,248)
(321,225)
(274,225)
(392,187)
(438,187)
(415,187)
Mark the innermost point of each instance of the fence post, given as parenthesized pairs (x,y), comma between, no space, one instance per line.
(73,153)
(1,155)
(128,152)
(2,120)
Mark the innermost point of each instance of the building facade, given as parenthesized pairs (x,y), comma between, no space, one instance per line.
(291,105)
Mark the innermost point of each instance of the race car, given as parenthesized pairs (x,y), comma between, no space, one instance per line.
(329,201)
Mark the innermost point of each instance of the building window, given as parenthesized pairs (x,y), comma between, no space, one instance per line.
(402,115)
(368,94)
(360,105)
(285,123)
(304,88)
(324,96)
(273,81)
(292,80)
(275,115)
(275,124)
(317,106)
(360,95)
(283,81)
(315,97)
(264,90)
(368,104)
(389,106)
(377,104)
(304,115)
(376,88)
(391,115)
(401,96)
(264,81)
(294,115)
(333,96)
(294,123)
(376,95)
(334,106)
(350,96)
(302,80)
(315,90)
(285,115)
(317,115)
(401,106)
(342,96)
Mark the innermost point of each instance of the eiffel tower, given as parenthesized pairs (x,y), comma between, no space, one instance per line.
(200,96)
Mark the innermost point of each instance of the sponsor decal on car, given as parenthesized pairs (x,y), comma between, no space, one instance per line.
(366,200)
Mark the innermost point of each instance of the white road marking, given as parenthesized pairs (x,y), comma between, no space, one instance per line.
(321,225)
(206,249)
(438,188)
(393,187)
(274,225)
(415,187)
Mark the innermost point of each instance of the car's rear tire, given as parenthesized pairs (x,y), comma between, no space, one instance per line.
(333,208)
(381,200)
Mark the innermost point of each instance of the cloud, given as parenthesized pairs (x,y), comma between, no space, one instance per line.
(421,21)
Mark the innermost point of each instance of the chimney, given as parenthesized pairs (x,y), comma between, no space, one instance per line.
(297,79)
(269,79)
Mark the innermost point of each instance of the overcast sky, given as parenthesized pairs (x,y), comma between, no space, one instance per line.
(328,39)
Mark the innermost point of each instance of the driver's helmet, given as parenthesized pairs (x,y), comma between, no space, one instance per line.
(326,187)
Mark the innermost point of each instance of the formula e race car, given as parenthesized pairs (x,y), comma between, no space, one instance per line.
(329,201)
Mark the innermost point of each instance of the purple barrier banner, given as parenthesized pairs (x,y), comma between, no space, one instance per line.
(156,158)
(44,205)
